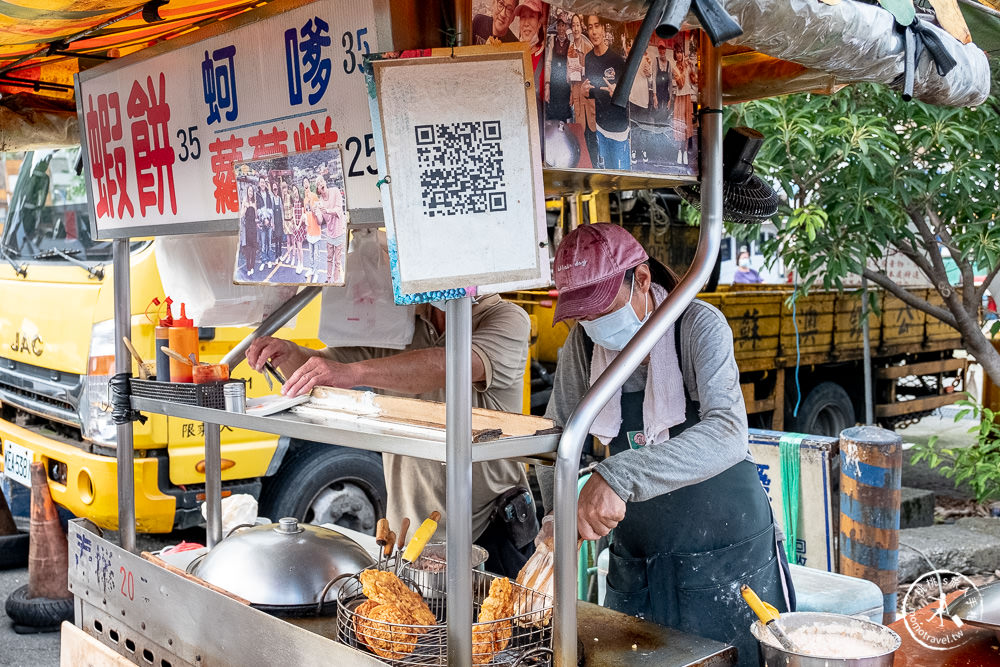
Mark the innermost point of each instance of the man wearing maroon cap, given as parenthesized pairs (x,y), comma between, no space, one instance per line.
(680,489)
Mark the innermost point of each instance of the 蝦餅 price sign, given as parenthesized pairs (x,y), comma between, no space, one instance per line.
(164,126)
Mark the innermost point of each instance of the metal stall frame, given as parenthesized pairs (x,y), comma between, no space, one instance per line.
(168,596)
(577,427)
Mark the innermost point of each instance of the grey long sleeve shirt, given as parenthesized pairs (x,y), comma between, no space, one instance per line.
(714,444)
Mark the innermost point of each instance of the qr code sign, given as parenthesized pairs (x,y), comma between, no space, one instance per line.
(461,168)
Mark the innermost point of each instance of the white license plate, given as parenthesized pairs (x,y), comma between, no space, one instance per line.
(17,463)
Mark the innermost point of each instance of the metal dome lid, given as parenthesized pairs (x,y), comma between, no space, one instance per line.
(284,564)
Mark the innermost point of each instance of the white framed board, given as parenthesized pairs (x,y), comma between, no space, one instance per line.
(458,145)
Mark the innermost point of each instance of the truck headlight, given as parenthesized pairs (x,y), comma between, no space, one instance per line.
(95,408)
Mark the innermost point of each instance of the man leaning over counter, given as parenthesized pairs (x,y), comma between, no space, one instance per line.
(500,333)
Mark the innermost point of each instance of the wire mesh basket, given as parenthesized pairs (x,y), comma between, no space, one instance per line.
(516,640)
(208,395)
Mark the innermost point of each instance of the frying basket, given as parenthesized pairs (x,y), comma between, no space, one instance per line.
(405,645)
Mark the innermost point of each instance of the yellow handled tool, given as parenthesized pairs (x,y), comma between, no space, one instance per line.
(768,615)
(421,537)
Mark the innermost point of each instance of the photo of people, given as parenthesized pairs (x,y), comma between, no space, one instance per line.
(492,20)
(655,133)
(662,103)
(293,219)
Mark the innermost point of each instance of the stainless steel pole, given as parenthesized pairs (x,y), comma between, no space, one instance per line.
(213,485)
(272,323)
(124,452)
(577,428)
(458,454)
(866,337)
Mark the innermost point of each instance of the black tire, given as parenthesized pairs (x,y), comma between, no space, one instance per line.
(13,551)
(826,410)
(37,614)
(327,484)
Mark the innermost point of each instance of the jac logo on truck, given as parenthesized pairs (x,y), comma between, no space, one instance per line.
(28,342)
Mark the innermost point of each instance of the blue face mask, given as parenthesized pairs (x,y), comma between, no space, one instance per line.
(614,330)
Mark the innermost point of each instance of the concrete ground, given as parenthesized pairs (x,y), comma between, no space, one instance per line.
(24,650)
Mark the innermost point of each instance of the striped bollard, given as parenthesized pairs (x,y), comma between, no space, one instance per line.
(871,462)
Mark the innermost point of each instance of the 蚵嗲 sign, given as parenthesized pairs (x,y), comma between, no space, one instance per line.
(164,127)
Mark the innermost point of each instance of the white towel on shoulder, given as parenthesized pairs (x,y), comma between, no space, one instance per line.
(663,405)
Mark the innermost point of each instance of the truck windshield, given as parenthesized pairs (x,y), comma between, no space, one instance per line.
(49,216)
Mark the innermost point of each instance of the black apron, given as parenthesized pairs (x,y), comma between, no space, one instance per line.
(679,559)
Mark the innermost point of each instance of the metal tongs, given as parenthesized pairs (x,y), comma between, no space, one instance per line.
(269,370)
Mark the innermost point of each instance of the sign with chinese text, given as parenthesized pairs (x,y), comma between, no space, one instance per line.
(164,128)
(459,146)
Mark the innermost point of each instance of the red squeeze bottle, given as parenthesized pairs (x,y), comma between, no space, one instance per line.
(162,338)
(183,337)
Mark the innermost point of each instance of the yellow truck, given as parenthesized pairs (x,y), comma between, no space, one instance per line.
(56,358)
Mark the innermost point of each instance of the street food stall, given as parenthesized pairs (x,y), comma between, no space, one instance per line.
(178,135)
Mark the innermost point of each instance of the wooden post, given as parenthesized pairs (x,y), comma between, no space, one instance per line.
(871,462)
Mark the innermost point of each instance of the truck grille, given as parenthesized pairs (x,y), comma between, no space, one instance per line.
(41,391)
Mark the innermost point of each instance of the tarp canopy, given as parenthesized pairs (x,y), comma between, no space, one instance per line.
(44,42)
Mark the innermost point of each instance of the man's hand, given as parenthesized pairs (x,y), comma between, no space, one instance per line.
(600,509)
(610,87)
(323,372)
(282,353)
(587,87)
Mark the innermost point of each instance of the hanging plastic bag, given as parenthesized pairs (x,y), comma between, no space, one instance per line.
(197,269)
(362,312)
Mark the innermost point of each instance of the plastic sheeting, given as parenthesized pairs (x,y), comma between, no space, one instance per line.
(197,269)
(850,42)
(858,42)
(29,122)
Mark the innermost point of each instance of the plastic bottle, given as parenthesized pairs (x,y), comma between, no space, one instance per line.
(162,337)
(183,337)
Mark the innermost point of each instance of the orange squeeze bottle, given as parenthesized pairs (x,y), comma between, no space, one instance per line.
(183,337)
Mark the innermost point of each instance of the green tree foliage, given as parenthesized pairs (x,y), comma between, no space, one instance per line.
(864,175)
(977,465)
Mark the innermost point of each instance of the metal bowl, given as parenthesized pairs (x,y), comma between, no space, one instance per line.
(283,568)
(432,582)
(775,656)
(979,607)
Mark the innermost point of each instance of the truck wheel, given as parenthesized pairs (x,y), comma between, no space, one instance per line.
(32,615)
(327,484)
(826,410)
(13,550)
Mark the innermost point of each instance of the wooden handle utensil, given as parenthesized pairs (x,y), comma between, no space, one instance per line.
(421,537)
(145,368)
(176,356)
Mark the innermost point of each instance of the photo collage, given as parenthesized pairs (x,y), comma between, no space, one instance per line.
(579,60)
(293,219)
